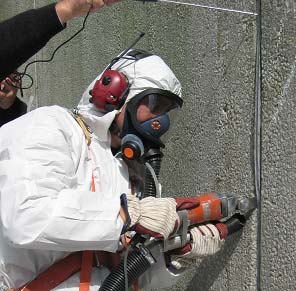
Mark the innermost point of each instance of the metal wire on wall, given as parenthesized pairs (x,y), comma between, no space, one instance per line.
(258,138)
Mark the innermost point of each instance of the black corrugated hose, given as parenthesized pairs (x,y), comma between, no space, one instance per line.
(137,264)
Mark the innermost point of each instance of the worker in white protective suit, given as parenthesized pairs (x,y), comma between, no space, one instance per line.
(65,182)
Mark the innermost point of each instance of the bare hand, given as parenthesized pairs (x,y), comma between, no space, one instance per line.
(8,92)
(68,9)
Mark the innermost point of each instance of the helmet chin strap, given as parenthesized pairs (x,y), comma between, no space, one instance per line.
(114,129)
(115,137)
(127,127)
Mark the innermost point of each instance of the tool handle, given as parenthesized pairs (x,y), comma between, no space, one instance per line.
(209,209)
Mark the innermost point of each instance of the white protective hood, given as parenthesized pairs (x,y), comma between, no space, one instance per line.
(148,72)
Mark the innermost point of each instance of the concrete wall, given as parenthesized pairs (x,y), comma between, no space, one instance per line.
(211,146)
(279,135)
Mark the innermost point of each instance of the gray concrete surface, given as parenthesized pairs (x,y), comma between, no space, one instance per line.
(279,132)
(211,145)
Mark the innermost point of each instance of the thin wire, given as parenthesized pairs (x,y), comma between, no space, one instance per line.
(156,183)
(6,281)
(62,44)
(115,60)
(125,268)
(230,63)
(210,7)
(257,141)
(31,98)
(24,73)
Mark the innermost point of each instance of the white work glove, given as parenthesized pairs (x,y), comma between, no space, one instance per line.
(156,217)
(205,241)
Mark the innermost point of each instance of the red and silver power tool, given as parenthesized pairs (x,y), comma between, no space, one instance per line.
(228,208)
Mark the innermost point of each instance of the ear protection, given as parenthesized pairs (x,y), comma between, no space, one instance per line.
(110,91)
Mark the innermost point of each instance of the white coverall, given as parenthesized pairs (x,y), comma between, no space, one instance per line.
(47,208)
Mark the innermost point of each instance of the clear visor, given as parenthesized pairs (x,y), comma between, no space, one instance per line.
(152,112)
(154,105)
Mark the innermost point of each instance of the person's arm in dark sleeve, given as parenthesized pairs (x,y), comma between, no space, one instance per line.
(24,35)
(17,109)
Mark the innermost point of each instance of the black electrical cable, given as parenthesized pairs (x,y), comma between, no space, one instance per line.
(258,139)
(21,75)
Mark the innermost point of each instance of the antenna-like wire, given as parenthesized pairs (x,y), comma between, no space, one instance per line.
(258,141)
(125,51)
(21,75)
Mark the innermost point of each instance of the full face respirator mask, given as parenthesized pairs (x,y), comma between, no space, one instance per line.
(147,115)
(147,119)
